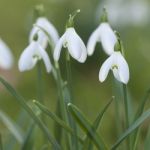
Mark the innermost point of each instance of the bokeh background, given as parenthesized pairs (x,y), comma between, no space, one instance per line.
(131,18)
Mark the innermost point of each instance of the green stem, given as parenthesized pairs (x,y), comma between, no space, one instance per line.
(39,83)
(126,105)
(126,111)
(69,75)
(61,97)
(69,83)
(116,91)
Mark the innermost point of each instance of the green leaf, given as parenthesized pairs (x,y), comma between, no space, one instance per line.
(22,102)
(138,113)
(12,127)
(86,126)
(56,119)
(21,122)
(87,144)
(57,129)
(28,141)
(132,127)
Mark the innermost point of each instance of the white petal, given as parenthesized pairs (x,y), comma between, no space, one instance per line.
(123,69)
(58,48)
(45,58)
(116,74)
(83,54)
(73,43)
(26,61)
(83,50)
(6,57)
(51,30)
(108,38)
(106,66)
(94,38)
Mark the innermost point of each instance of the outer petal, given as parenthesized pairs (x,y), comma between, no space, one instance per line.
(51,30)
(94,38)
(123,70)
(108,38)
(73,43)
(83,54)
(106,66)
(58,48)
(26,61)
(6,57)
(83,50)
(45,58)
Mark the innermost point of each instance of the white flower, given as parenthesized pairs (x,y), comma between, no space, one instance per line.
(118,65)
(31,55)
(106,36)
(42,37)
(6,57)
(73,43)
(36,49)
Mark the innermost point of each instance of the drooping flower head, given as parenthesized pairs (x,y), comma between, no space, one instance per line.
(6,57)
(71,40)
(31,55)
(103,34)
(117,63)
(38,41)
(119,67)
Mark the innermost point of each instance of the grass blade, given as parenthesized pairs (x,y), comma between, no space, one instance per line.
(56,119)
(28,142)
(138,113)
(132,127)
(12,127)
(86,126)
(22,102)
(87,144)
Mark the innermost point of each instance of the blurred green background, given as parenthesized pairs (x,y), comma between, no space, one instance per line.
(16,19)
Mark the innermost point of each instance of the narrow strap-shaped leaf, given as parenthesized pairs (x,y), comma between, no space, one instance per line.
(86,126)
(57,129)
(28,142)
(12,127)
(132,127)
(22,102)
(20,121)
(87,144)
(56,119)
(138,113)
(142,104)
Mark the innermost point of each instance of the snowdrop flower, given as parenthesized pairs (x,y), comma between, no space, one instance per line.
(44,24)
(73,43)
(38,40)
(6,57)
(71,40)
(103,34)
(31,55)
(119,67)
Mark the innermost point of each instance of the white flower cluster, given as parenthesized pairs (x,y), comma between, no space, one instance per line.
(38,42)
(115,61)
